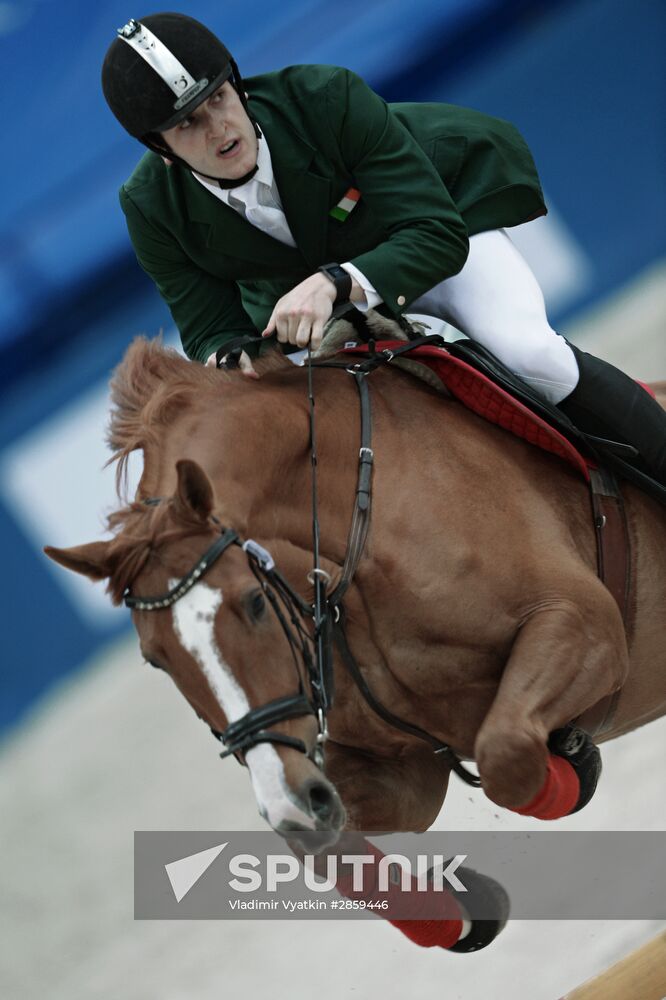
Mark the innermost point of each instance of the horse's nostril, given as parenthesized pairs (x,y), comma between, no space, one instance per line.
(322,800)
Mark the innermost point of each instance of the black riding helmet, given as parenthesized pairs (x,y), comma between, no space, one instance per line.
(158,70)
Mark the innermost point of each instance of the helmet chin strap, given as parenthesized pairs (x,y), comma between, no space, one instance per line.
(226,185)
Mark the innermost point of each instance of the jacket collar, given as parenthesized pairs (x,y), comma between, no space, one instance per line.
(304,193)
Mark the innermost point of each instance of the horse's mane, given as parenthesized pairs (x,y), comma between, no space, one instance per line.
(152,384)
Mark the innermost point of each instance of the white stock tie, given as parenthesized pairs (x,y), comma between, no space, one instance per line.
(263,210)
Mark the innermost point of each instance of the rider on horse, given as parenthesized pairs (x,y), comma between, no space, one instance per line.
(250,188)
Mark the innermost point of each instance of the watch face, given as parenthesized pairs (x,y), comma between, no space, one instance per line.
(334,272)
(341,280)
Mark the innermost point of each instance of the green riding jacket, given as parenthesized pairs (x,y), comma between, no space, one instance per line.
(430,175)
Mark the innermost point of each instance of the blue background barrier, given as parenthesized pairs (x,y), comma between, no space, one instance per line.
(581,79)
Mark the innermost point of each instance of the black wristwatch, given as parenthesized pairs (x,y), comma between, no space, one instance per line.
(341,280)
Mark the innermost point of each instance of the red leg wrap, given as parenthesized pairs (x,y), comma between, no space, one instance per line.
(559,794)
(428,933)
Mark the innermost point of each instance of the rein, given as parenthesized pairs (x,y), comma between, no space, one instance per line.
(326,614)
(356,542)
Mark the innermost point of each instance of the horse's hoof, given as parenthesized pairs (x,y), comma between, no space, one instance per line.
(483,894)
(576,747)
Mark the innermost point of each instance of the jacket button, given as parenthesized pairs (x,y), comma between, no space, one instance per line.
(401,300)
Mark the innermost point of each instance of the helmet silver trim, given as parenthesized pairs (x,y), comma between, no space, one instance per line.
(162,61)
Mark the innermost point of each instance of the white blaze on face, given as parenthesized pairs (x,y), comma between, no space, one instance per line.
(194,625)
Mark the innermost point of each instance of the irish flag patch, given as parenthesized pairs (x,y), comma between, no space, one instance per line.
(345,205)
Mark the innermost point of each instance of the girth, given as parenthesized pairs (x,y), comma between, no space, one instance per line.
(615,570)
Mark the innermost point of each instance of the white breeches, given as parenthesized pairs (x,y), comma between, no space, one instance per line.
(496,300)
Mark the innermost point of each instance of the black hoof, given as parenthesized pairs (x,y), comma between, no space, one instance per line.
(483,895)
(575,745)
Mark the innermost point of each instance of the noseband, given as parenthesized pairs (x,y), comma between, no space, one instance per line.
(312,642)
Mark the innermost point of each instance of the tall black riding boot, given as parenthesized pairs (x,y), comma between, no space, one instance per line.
(609,404)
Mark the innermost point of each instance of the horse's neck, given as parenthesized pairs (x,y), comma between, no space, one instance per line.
(261,463)
(253,442)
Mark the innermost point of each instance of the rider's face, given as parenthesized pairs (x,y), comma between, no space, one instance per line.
(218,138)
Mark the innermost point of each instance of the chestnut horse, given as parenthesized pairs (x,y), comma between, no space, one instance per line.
(475,613)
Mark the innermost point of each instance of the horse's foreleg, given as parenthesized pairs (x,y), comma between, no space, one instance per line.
(567,655)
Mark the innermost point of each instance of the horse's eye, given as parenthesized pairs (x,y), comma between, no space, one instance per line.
(257,604)
(152,663)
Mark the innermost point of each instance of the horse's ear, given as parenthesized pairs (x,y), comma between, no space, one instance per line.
(91,560)
(195,492)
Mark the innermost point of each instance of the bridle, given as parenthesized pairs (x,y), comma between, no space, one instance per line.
(311,630)
(292,612)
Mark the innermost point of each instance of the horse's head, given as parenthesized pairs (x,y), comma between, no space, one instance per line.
(236,647)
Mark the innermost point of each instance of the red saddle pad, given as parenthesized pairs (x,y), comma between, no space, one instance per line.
(479,393)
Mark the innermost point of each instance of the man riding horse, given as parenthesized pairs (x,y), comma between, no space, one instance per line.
(250,189)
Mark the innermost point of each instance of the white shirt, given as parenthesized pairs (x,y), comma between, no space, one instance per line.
(270,218)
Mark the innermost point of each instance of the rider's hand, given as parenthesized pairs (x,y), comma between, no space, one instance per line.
(300,315)
(244,363)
